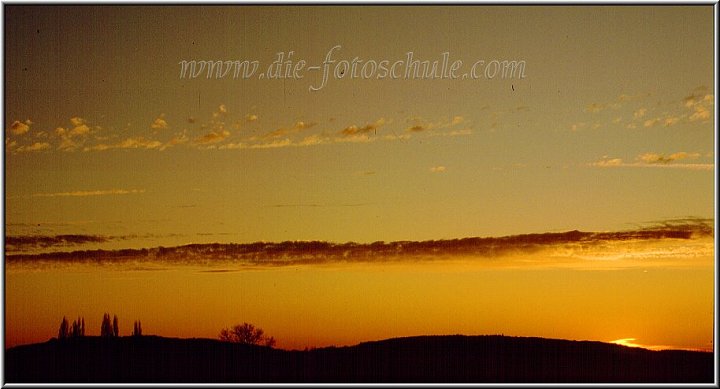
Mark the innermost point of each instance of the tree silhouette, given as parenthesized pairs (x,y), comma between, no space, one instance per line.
(116,331)
(106,329)
(64,331)
(246,333)
(137,328)
(78,328)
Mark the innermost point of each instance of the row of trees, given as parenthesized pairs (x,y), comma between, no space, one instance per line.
(244,333)
(77,329)
(108,329)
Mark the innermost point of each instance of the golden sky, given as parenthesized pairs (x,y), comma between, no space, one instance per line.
(610,127)
(612,123)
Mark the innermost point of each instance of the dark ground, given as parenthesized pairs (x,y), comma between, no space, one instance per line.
(471,359)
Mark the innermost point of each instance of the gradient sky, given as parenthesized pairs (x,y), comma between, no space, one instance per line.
(612,124)
(611,129)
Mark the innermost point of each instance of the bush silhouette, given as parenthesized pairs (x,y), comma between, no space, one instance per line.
(246,333)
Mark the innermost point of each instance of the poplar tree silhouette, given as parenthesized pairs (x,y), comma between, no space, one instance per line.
(106,329)
(64,331)
(116,331)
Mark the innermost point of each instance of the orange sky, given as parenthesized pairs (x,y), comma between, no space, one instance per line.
(658,292)
(611,127)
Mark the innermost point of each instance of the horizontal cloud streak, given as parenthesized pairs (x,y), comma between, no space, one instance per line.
(21,243)
(575,244)
(84,193)
(655,160)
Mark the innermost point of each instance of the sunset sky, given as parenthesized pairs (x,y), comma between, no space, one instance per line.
(612,124)
(610,129)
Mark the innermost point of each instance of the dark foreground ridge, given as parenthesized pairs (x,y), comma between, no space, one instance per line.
(472,359)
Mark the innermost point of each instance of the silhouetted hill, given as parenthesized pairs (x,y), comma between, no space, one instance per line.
(415,359)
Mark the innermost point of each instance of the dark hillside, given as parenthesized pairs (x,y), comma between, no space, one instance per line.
(416,359)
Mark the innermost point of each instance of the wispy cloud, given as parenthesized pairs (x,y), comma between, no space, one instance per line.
(213,137)
(639,113)
(37,146)
(695,108)
(130,143)
(295,128)
(659,158)
(30,242)
(159,123)
(84,193)
(354,130)
(213,134)
(438,169)
(655,160)
(594,107)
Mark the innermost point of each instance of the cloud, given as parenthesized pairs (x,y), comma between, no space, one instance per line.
(85,193)
(178,139)
(670,120)
(159,123)
(232,146)
(79,130)
(129,143)
(438,169)
(213,137)
(272,145)
(594,107)
(458,119)
(295,128)
(37,146)
(359,138)
(700,113)
(75,137)
(659,158)
(364,130)
(9,144)
(700,103)
(34,242)
(574,248)
(607,162)
(698,95)
(463,132)
(650,122)
(18,128)
(77,121)
(649,160)
(577,126)
(639,113)
(314,140)
(222,110)
(251,117)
